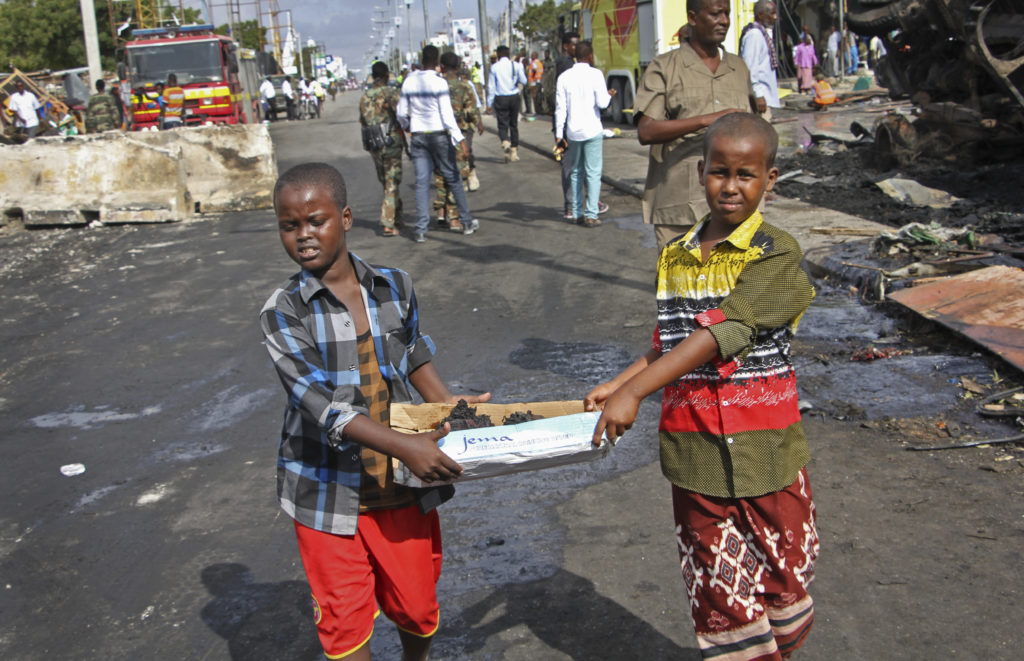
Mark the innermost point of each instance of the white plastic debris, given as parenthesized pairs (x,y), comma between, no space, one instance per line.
(70,470)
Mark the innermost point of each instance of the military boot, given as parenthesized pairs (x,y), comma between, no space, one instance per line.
(513,154)
(472,181)
(507,147)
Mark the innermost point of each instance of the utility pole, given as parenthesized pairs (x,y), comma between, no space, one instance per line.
(408,24)
(92,43)
(844,54)
(509,20)
(426,23)
(483,33)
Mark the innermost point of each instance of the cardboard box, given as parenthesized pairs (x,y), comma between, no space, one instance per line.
(563,436)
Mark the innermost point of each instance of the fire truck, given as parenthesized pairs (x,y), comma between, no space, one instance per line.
(205,64)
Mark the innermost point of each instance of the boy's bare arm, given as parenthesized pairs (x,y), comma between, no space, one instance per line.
(417,451)
(621,407)
(431,387)
(596,398)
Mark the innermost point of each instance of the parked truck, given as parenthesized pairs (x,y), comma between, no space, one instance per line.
(207,66)
(628,34)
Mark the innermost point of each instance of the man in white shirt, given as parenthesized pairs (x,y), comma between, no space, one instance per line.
(289,96)
(757,48)
(832,49)
(503,101)
(580,96)
(267,94)
(425,111)
(25,107)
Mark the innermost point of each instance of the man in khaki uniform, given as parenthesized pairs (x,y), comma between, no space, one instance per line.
(467,116)
(681,93)
(378,106)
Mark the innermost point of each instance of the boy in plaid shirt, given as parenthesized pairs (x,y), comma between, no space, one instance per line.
(345,340)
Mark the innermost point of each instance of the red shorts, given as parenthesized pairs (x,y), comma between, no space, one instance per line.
(747,563)
(350,575)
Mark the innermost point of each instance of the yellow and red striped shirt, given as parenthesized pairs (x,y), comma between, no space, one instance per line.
(731,428)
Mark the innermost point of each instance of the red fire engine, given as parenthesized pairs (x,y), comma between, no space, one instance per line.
(205,64)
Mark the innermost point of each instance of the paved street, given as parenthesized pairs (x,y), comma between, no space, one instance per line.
(134,350)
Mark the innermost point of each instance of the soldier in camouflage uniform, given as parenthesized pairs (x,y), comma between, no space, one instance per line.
(101,114)
(467,116)
(376,106)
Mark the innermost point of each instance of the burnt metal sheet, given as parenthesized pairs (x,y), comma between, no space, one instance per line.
(985,305)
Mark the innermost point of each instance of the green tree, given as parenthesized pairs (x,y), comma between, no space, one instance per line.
(186,16)
(539,22)
(248,34)
(47,34)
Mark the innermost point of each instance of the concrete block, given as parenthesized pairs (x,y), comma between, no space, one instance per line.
(144,176)
(52,178)
(227,167)
(41,218)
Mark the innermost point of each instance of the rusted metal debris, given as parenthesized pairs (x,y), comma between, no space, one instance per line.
(984,305)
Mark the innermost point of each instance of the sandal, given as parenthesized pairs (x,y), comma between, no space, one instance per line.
(389,231)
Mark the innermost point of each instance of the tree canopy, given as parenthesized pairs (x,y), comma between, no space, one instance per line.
(248,34)
(47,34)
(539,22)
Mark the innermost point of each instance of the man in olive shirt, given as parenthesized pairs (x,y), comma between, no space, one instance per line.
(680,95)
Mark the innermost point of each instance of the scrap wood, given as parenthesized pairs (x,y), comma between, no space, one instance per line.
(971,444)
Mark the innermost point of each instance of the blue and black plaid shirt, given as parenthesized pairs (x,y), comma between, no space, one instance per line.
(311,338)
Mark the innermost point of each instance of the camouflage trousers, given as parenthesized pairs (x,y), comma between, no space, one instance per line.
(389,174)
(444,202)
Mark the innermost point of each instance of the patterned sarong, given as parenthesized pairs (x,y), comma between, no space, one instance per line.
(747,563)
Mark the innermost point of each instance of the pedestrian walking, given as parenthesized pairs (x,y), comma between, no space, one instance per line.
(503,101)
(25,106)
(383,139)
(729,296)
(345,341)
(832,50)
(101,112)
(289,97)
(680,94)
(757,48)
(534,77)
(172,104)
(580,97)
(267,94)
(467,116)
(805,60)
(425,110)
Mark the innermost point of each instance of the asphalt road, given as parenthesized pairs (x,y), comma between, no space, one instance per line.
(134,351)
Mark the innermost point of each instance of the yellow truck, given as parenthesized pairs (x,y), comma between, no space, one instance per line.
(627,34)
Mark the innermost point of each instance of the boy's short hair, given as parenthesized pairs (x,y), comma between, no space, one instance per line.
(744,124)
(429,56)
(569,36)
(379,70)
(583,50)
(501,51)
(320,175)
(449,61)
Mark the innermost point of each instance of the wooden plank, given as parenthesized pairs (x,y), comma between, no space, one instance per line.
(984,305)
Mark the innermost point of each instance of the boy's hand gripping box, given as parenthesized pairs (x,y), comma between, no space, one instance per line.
(562,436)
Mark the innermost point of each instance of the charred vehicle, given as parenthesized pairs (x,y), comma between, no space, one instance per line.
(961,61)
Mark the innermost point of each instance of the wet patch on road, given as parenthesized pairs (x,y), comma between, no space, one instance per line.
(590,363)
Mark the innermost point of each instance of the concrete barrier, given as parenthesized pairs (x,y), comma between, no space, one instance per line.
(146,176)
